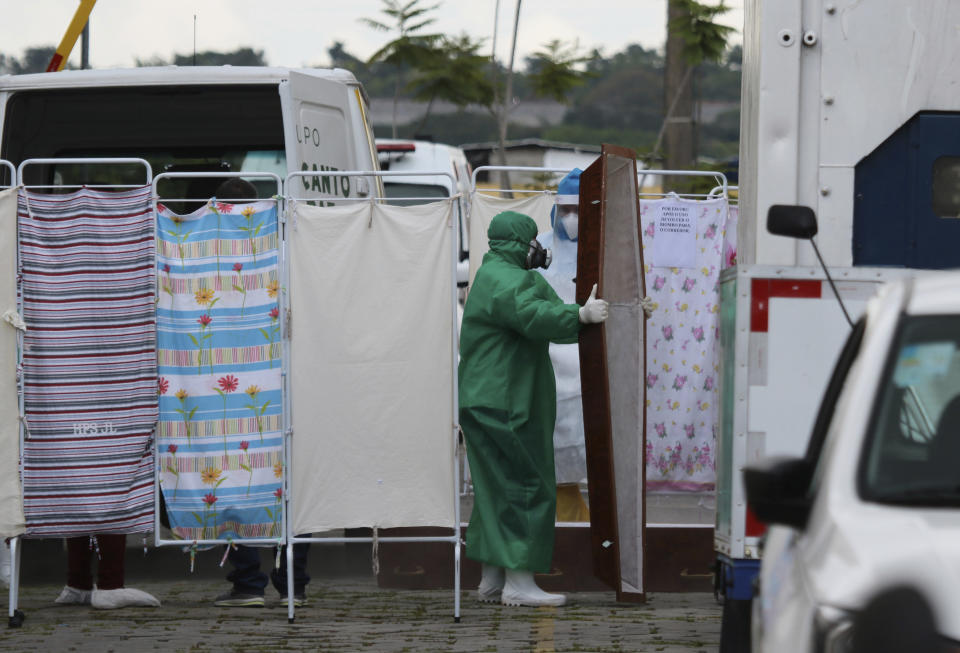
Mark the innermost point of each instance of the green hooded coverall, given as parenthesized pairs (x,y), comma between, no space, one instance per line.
(508,400)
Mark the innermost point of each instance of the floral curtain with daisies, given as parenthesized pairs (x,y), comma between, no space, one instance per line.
(220,442)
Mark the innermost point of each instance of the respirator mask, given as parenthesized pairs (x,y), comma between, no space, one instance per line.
(537,256)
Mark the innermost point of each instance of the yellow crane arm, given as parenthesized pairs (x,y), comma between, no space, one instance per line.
(59,59)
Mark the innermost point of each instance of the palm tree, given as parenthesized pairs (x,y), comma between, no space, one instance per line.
(552,73)
(552,70)
(409,49)
(693,37)
(458,75)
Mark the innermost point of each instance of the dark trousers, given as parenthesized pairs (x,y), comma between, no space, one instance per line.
(248,579)
(80,554)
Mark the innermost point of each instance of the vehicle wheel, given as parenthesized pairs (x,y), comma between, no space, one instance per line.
(735,626)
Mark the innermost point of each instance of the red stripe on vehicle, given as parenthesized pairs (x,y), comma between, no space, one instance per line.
(761,290)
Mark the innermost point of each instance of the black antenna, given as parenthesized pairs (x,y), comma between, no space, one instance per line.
(830,279)
(801,222)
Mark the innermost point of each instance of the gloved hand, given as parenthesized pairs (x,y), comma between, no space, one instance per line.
(646,303)
(595,310)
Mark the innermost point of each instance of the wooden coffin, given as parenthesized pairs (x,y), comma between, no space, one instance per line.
(612,369)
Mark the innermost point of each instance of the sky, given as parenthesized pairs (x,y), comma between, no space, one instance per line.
(298,32)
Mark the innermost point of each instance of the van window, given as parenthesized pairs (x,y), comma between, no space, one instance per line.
(400,192)
(175,128)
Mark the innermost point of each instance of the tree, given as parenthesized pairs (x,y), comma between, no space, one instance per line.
(8,64)
(553,74)
(340,58)
(239,57)
(693,37)
(409,49)
(456,75)
(552,71)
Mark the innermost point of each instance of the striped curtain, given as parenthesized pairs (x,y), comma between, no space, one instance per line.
(89,361)
(218,326)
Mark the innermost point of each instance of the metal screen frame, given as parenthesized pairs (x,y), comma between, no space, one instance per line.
(13,173)
(155,199)
(718,191)
(476,171)
(15,615)
(454,539)
(720,178)
(87,161)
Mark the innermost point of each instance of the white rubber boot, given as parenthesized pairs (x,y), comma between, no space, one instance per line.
(521,589)
(122,598)
(491,584)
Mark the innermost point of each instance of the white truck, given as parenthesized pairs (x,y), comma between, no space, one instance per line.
(193,119)
(849,108)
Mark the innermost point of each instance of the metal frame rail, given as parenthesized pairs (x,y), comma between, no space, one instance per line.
(477,171)
(455,427)
(15,615)
(718,191)
(13,173)
(718,176)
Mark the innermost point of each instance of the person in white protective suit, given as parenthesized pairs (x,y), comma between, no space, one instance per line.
(570,459)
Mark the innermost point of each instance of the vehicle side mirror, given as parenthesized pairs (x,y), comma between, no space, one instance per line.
(792,221)
(777,490)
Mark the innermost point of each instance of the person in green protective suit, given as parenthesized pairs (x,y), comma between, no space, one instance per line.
(508,408)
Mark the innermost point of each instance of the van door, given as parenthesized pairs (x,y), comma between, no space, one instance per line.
(319,135)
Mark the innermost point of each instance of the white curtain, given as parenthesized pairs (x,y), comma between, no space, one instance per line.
(11,495)
(484,207)
(371,366)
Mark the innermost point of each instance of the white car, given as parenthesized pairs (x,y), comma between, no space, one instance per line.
(875,502)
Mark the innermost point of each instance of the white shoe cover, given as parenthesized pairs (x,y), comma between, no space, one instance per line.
(73,596)
(491,584)
(521,589)
(121,598)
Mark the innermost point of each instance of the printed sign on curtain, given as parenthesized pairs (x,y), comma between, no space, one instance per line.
(218,321)
(675,245)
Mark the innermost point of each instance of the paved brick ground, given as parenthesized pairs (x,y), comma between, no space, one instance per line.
(355,615)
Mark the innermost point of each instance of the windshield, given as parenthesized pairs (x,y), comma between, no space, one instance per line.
(913,451)
(402,194)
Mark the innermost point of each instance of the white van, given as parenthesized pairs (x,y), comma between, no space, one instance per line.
(420,156)
(193,119)
(412,156)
